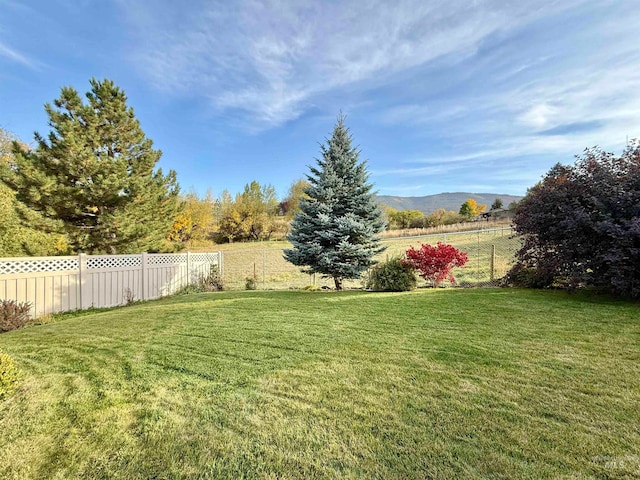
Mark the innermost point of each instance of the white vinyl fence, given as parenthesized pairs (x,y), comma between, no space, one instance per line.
(61,284)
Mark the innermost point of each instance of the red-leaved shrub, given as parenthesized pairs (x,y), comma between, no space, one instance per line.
(435,263)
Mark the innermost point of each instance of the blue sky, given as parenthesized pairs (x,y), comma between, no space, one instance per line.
(481,96)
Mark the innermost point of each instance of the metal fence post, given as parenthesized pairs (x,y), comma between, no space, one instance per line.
(478,257)
(493,263)
(264,269)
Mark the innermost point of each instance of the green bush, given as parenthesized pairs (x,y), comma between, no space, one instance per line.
(211,282)
(528,277)
(13,314)
(394,275)
(9,375)
(251,283)
(189,289)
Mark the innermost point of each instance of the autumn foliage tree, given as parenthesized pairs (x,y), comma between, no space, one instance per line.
(400,219)
(252,215)
(435,263)
(196,223)
(291,204)
(470,209)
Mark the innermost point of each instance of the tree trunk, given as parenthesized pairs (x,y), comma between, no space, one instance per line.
(338,282)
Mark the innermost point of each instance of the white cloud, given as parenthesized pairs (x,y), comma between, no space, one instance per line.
(538,116)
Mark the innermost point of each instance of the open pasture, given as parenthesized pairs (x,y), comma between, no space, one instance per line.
(491,254)
(469,383)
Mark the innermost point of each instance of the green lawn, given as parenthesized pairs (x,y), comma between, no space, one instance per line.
(427,384)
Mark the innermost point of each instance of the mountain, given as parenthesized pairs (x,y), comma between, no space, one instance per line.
(448,201)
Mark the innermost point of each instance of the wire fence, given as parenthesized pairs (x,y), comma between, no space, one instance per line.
(491,254)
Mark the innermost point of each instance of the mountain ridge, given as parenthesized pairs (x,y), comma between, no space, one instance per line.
(447,200)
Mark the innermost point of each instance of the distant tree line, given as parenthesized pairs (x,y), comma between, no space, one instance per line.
(469,210)
(252,215)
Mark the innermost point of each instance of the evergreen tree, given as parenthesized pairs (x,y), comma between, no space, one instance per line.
(23,231)
(335,231)
(95,173)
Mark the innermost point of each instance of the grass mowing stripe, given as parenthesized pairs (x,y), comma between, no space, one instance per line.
(427,384)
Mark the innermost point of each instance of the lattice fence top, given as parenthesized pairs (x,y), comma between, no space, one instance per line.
(166,258)
(54,264)
(96,262)
(113,261)
(204,257)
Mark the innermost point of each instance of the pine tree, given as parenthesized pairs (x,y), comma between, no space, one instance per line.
(23,231)
(95,173)
(335,231)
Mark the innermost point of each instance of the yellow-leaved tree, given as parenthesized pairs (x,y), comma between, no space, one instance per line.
(470,209)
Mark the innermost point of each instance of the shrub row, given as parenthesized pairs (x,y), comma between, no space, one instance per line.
(433,263)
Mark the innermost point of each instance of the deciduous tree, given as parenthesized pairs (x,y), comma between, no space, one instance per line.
(435,263)
(196,222)
(404,218)
(471,209)
(497,204)
(291,204)
(581,224)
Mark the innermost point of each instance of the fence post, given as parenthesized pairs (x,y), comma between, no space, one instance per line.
(264,269)
(86,290)
(493,263)
(221,264)
(188,269)
(145,275)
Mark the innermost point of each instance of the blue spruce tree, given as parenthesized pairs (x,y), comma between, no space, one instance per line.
(335,231)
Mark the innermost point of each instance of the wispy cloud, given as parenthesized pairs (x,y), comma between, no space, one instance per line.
(17,57)
(274,59)
(532,98)
(9,12)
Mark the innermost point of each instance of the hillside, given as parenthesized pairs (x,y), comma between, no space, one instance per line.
(448,201)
